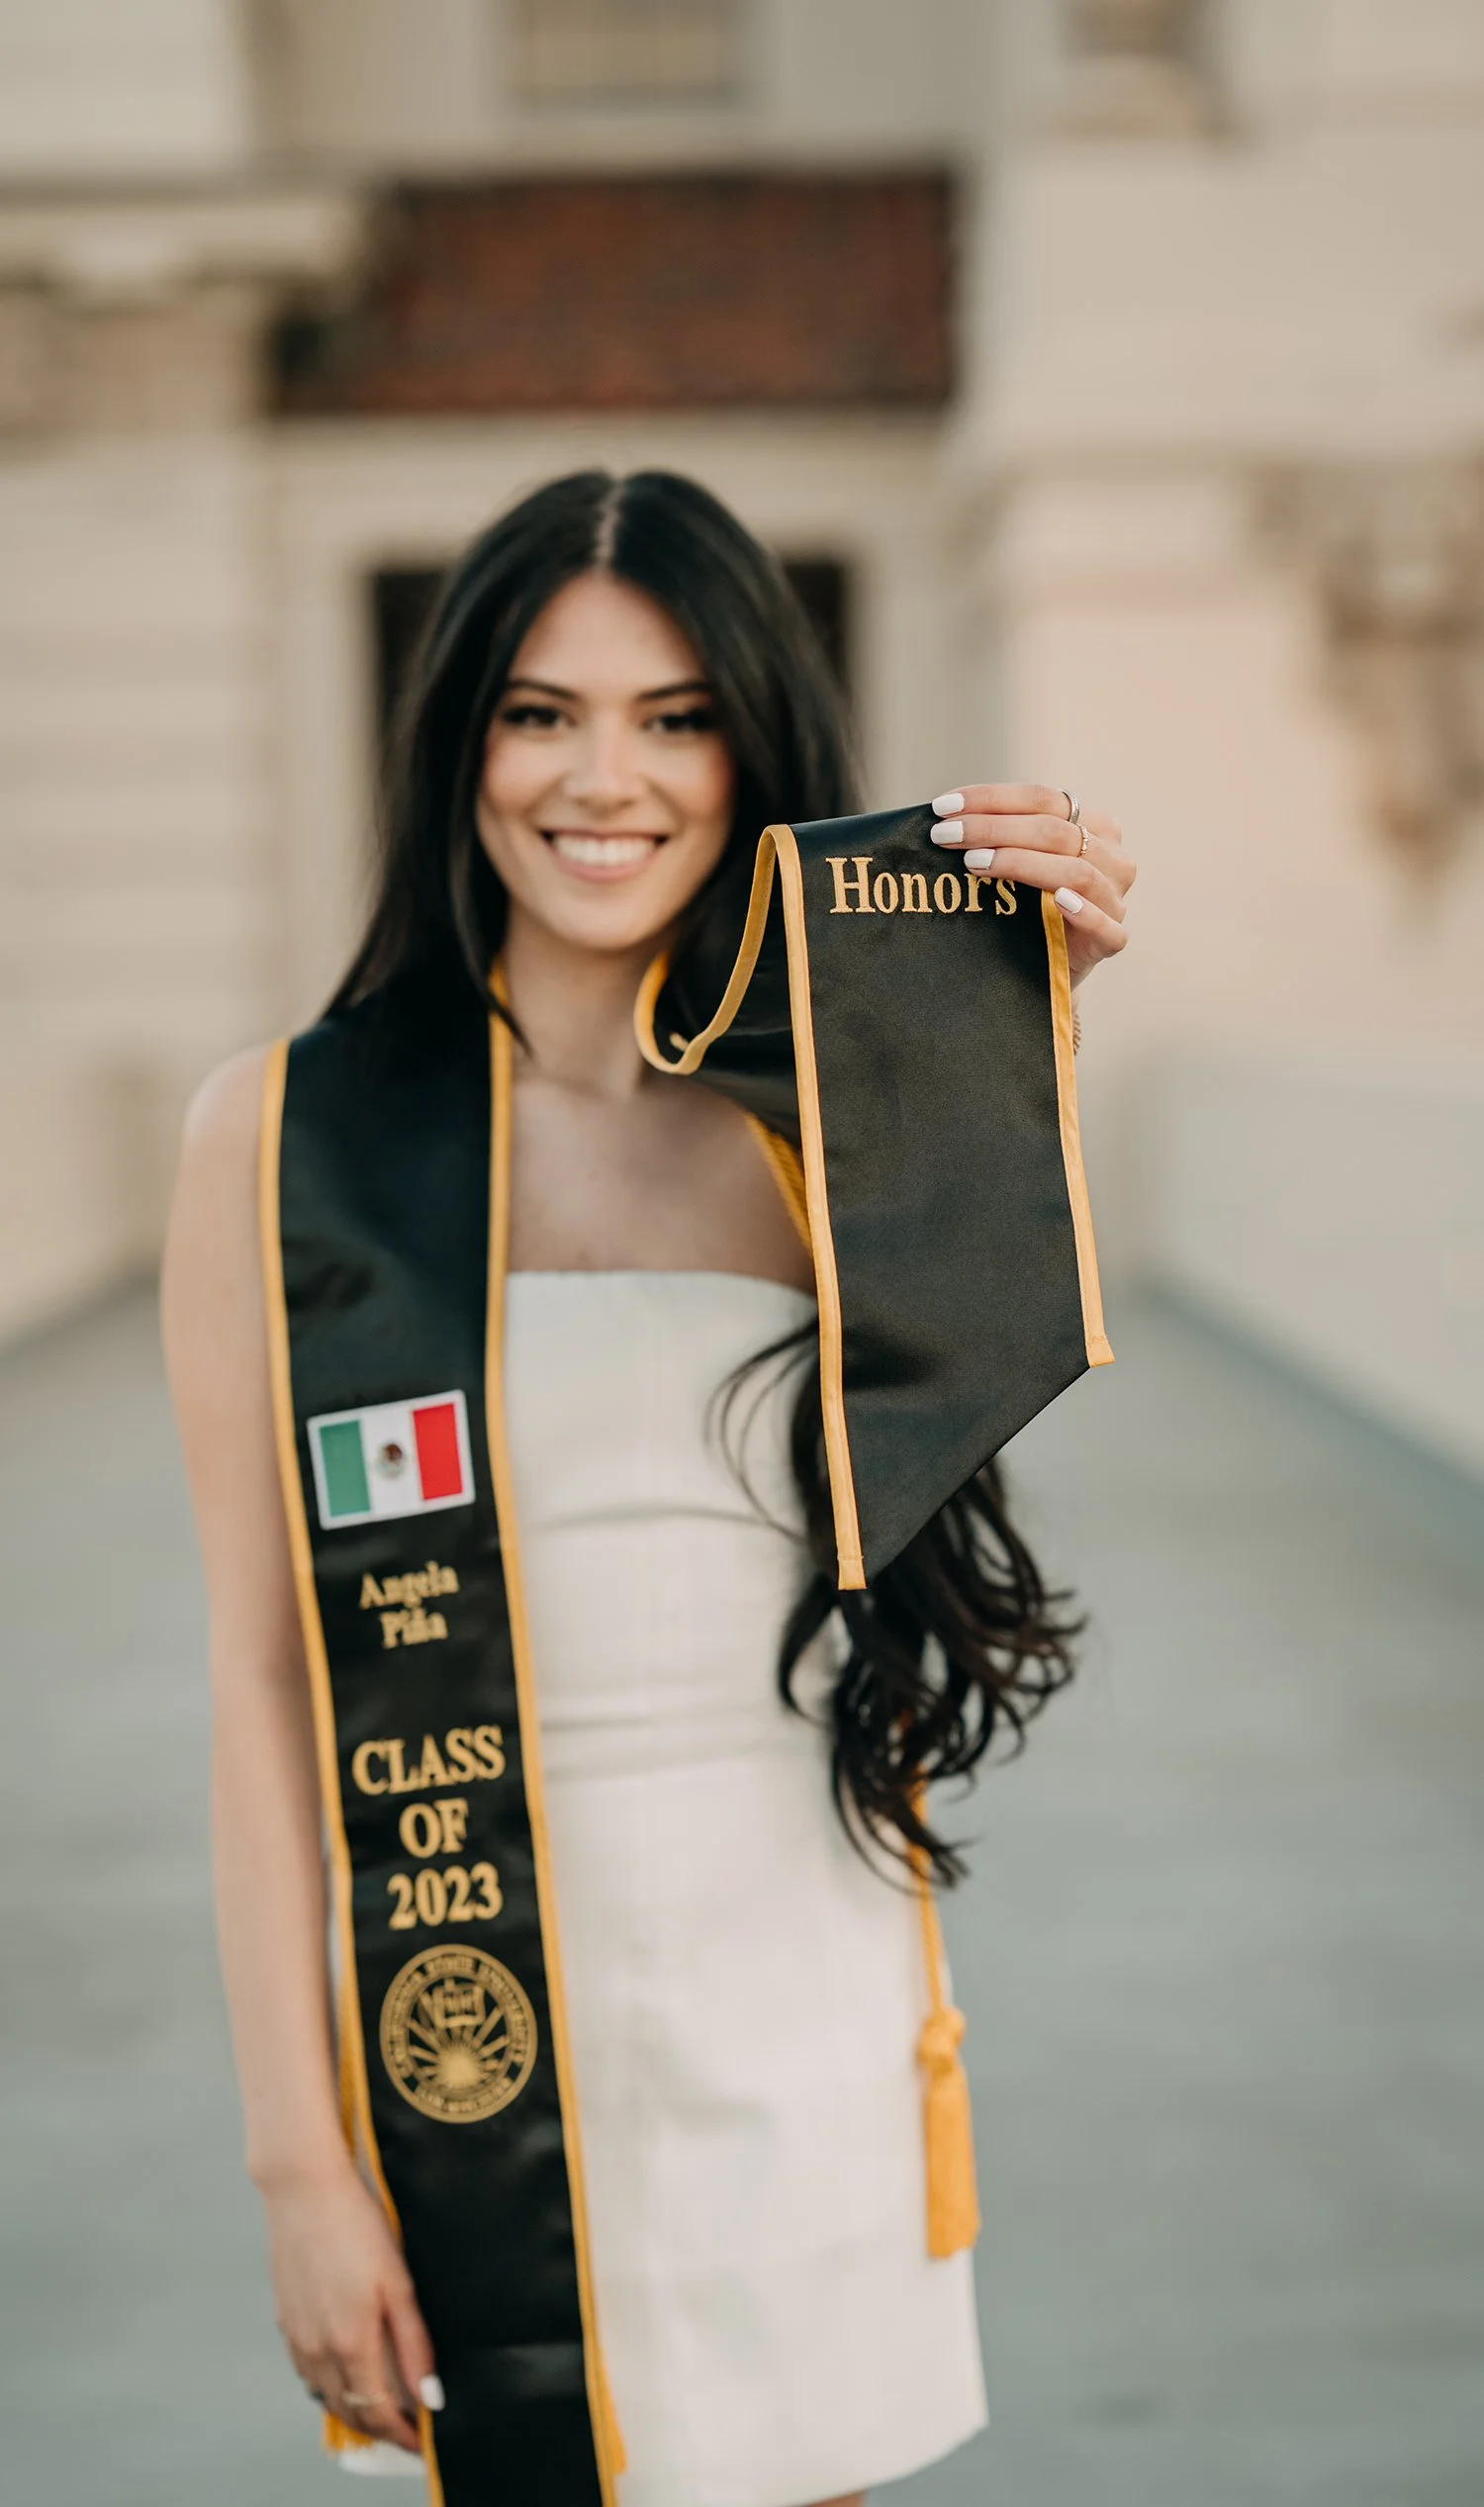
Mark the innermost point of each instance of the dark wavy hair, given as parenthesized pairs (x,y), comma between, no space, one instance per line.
(957,1643)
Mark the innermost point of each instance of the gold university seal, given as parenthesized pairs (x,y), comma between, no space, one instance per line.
(458,2035)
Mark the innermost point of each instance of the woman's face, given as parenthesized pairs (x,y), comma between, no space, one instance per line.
(607,793)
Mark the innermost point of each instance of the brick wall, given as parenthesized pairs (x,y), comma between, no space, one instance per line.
(732,290)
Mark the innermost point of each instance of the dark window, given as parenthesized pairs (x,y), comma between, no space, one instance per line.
(400,599)
(402,595)
(823,587)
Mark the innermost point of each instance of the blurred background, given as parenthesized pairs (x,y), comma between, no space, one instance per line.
(1110,375)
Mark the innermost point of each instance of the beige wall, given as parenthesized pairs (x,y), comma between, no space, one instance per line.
(419,84)
(135,929)
(121,89)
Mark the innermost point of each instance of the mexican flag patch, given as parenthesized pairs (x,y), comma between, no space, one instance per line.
(396,1458)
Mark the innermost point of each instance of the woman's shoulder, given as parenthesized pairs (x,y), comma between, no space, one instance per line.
(224,1116)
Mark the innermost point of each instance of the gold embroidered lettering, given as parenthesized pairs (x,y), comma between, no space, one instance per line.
(975,885)
(360,1767)
(420,1584)
(420,1828)
(434,1897)
(884,904)
(914,895)
(1006,899)
(464,1756)
(453,1820)
(857,880)
(488,1747)
(401,1782)
(433,1770)
(415,1626)
(948,896)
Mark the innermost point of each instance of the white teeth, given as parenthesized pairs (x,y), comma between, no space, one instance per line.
(604,853)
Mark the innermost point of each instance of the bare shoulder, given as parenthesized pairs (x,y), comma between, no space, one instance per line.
(224,1116)
(211,1274)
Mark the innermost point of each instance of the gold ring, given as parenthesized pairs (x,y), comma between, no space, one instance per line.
(1086,840)
(363,2402)
(1073,809)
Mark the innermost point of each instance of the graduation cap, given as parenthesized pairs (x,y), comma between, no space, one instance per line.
(901,1030)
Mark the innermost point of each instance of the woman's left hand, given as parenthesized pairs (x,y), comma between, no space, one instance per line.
(1026,832)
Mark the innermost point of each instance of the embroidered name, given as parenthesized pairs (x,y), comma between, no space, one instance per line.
(404,1622)
(859,891)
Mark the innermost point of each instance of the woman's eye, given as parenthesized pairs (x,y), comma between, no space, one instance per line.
(693,718)
(530,717)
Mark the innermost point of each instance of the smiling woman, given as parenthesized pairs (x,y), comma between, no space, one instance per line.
(631,2022)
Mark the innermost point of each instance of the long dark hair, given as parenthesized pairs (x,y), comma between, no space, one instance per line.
(958,1642)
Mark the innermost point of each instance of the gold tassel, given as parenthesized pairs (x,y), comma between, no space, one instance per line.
(612,2435)
(952,2203)
(343,2440)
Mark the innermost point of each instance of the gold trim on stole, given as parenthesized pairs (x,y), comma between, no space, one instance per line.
(851,1566)
(778,848)
(786,1170)
(356,2088)
(1099,1353)
(608,2444)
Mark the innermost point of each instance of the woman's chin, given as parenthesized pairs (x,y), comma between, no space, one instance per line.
(607,917)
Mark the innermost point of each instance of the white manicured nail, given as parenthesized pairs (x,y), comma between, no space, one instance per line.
(430,2391)
(948,831)
(946,804)
(1066,898)
(981,858)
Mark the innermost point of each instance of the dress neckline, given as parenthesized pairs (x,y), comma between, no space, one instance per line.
(744,1279)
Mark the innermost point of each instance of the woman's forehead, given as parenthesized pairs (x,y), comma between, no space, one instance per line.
(599,636)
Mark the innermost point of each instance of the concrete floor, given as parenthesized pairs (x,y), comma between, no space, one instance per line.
(1222,1957)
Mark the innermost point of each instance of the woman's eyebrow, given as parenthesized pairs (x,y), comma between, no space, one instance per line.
(645,697)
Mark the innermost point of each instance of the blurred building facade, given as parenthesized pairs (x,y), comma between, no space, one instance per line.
(1112,372)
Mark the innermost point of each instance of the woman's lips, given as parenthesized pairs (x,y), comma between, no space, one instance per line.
(592,856)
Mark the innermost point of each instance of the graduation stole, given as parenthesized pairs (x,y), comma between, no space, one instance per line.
(913,1095)
(907,1025)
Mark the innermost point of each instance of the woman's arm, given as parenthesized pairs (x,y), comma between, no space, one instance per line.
(346,2304)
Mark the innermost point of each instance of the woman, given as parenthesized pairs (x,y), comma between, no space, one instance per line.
(616,692)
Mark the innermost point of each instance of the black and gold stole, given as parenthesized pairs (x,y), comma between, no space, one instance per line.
(899,1033)
(906,1025)
(384,1211)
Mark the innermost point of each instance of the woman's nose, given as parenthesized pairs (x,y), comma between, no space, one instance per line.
(605,775)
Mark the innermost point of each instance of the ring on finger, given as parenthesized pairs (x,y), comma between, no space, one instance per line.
(1074,809)
(1086,840)
(364,2402)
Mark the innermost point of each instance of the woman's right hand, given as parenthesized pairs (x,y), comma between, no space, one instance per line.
(346,2308)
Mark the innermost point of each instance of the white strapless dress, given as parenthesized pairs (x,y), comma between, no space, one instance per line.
(744,1994)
